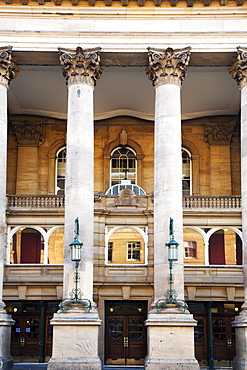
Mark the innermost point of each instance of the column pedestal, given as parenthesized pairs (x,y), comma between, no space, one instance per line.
(240,325)
(6,361)
(171,342)
(75,341)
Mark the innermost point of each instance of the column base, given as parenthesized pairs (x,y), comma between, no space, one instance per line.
(175,364)
(171,342)
(75,341)
(69,363)
(6,361)
(239,364)
(240,325)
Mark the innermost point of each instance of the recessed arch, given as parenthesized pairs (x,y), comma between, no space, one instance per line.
(126,245)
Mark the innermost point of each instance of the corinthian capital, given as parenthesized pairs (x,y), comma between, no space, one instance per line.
(8,68)
(81,65)
(238,70)
(28,134)
(167,66)
(219,133)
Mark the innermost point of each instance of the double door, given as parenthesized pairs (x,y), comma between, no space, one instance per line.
(125,339)
(31,338)
(223,339)
(25,337)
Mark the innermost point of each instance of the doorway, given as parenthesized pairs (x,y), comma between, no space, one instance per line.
(125,332)
(31,334)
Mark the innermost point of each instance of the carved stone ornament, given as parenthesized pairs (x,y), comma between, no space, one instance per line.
(219,133)
(167,66)
(126,197)
(8,68)
(28,134)
(238,70)
(81,65)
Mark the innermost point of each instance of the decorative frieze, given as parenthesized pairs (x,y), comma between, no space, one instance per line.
(219,133)
(28,134)
(8,68)
(238,70)
(81,65)
(167,66)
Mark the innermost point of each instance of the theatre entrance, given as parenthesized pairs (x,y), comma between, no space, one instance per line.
(125,332)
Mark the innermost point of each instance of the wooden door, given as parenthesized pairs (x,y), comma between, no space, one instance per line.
(223,339)
(25,338)
(125,339)
(200,333)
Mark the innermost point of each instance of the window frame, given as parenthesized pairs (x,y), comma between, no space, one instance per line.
(133,182)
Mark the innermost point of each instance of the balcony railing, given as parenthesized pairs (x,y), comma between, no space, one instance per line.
(210,202)
(57,202)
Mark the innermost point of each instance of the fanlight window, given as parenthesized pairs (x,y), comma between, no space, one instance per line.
(123,165)
(186,171)
(60,171)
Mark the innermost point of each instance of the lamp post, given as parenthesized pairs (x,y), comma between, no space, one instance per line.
(171,294)
(75,300)
(172,245)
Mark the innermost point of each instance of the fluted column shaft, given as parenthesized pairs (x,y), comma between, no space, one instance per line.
(79,191)
(167,71)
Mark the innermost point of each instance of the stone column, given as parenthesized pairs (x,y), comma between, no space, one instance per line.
(239,72)
(170,330)
(219,136)
(81,68)
(28,136)
(167,69)
(8,71)
(75,343)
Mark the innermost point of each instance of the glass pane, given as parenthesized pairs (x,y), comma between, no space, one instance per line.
(135,329)
(219,329)
(115,328)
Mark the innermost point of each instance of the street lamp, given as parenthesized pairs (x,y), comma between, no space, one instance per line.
(75,248)
(171,294)
(172,245)
(75,301)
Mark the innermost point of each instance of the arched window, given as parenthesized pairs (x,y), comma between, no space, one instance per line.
(225,248)
(27,246)
(126,245)
(123,165)
(60,171)
(186,172)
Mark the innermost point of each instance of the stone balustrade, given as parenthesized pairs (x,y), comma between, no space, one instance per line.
(26,202)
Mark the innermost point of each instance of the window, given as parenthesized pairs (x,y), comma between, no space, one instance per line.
(110,248)
(126,245)
(60,171)
(123,165)
(134,249)
(186,172)
(190,249)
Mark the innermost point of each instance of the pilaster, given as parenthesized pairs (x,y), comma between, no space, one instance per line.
(28,136)
(219,136)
